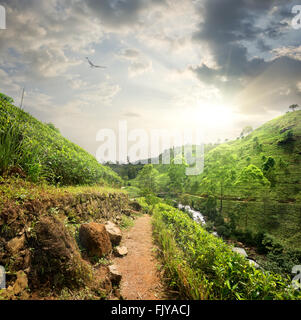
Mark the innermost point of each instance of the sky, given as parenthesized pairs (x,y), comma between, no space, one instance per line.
(218,65)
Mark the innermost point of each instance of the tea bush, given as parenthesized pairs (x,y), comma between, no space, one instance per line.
(43,153)
(203,266)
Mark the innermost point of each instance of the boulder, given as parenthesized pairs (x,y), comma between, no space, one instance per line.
(240,251)
(114,233)
(115,275)
(56,259)
(95,239)
(254,263)
(121,251)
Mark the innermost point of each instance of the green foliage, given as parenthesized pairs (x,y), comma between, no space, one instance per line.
(52,126)
(4,98)
(252,176)
(208,268)
(126,222)
(43,153)
(177,175)
(10,148)
(287,138)
(147,180)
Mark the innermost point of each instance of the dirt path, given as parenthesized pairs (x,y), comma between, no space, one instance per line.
(140,276)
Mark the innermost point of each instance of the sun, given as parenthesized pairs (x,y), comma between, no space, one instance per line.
(214,115)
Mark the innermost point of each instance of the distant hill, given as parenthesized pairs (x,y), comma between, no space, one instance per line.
(40,151)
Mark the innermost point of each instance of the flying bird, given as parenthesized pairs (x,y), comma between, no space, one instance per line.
(92,65)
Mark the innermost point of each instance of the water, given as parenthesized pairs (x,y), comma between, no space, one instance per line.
(197,216)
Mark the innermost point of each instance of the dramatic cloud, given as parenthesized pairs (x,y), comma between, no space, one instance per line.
(234,31)
(165,57)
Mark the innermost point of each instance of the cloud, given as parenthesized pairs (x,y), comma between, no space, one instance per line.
(140,67)
(129,54)
(41,36)
(120,13)
(292,52)
(139,64)
(97,95)
(234,30)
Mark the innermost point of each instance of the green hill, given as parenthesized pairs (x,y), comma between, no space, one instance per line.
(39,151)
(255,182)
(274,148)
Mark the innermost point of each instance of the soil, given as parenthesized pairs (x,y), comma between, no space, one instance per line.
(139,269)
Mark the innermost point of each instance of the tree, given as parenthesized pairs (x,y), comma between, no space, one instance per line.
(220,174)
(294,106)
(252,175)
(177,174)
(250,179)
(147,179)
(268,169)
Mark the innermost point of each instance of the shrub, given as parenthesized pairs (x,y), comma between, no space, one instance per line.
(42,152)
(207,267)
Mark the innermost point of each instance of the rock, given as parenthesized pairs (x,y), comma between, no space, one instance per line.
(240,251)
(254,263)
(16,244)
(115,275)
(114,233)
(121,251)
(21,283)
(56,258)
(95,238)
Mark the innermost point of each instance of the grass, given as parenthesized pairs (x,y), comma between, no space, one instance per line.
(126,222)
(20,190)
(43,153)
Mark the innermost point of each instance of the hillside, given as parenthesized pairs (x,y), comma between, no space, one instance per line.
(250,190)
(41,152)
(279,140)
(256,180)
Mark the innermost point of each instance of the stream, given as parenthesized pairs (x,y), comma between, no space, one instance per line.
(199,218)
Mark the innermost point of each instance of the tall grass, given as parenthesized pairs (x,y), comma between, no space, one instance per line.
(11,148)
